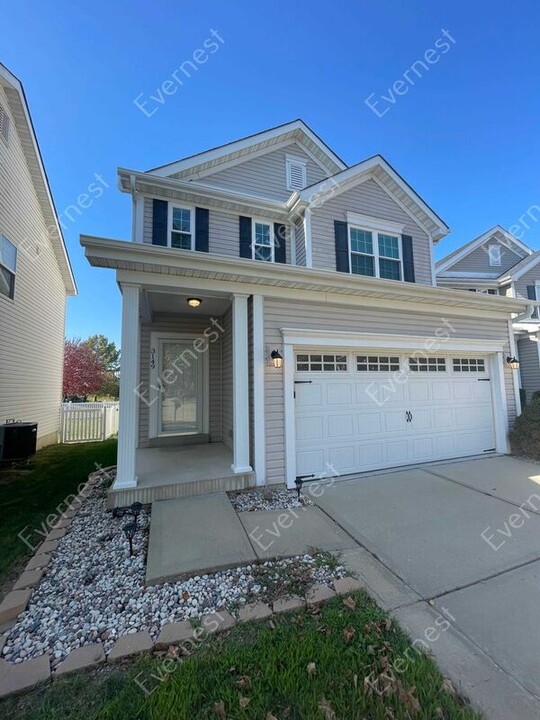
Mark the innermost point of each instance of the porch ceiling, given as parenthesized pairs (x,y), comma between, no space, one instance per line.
(168,302)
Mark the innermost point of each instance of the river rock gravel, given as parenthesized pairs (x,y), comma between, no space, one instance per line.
(254,500)
(93,591)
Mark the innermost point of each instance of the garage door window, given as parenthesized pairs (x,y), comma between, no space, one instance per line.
(469,365)
(321,363)
(427,364)
(377,363)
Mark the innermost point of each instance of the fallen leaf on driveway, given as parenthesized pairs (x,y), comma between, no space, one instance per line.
(448,688)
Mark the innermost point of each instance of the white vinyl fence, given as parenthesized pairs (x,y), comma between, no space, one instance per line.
(84,422)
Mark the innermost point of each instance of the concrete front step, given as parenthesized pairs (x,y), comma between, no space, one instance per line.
(195,535)
(148,494)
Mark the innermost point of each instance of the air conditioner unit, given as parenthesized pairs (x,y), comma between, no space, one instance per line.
(17,440)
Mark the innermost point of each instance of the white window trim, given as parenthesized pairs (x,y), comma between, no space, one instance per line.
(292,160)
(367,222)
(375,255)
(492,259)
(171,207)
(263,221)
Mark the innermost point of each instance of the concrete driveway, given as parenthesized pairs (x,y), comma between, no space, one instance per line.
(453,550)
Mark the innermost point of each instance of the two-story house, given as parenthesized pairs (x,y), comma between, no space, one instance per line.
(35,274)
(280,318)
(497,263)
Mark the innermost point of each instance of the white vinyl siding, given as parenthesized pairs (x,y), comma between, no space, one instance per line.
(368,198)
(32,324)
(169,323)
(324,316)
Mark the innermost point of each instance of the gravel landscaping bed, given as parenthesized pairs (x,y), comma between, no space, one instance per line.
(93,591)
(253,500)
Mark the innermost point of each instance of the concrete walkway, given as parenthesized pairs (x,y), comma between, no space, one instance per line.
(453,551)
(202,534)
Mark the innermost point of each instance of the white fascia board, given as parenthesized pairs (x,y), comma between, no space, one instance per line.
(471,275)
(525,269)
(244,144)
(66,270)
(455,256)
(196,188)
(350,175)
(373,223)
(386,341)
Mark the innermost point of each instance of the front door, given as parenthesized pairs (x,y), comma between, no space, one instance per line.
(180,382)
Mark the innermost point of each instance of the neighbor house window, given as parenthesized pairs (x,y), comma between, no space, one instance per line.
(375,254)
(8,267)
(263,241)
(494,252)
(181,230)
(296,173)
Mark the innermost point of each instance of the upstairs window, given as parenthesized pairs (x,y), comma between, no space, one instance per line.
(375,254)
(263,241)
(4,124)
(296,173)
(494,252)
(8,267)
(181,231)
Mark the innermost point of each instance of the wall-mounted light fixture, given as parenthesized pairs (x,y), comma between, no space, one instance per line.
(194,302)
(277,360)
(512,362)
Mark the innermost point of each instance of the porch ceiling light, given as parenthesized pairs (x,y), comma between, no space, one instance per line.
(194,302)
(513,362)
(276,358)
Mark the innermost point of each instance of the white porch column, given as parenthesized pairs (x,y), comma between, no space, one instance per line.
(240,384)
(129,380)
(259,439)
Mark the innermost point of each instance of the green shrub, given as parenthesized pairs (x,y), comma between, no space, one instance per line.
(525,437)
(535,395)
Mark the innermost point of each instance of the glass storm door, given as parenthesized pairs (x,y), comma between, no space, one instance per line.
(181,378)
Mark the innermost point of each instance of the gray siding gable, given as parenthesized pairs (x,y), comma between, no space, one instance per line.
(367,198)
(478,259)
(265,175)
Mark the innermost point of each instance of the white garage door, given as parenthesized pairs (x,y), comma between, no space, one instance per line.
(357,411)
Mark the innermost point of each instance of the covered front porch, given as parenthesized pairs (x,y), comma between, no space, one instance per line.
(186,394)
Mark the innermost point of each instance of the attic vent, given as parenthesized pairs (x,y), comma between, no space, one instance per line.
(296,174)
(4,123)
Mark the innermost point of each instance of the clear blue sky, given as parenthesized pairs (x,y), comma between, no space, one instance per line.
(465,135)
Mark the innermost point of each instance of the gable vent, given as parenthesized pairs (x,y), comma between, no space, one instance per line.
(4,123)
(296,174)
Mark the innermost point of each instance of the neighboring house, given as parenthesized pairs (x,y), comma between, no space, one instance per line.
(498,263)
(35,274)
(280,309)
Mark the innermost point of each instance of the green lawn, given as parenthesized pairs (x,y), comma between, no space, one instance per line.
(31,491)
(309,666)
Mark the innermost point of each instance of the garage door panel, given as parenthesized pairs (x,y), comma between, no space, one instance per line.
(357,420)
(340,425)
(339,393)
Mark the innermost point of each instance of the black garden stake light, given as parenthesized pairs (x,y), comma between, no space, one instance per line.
(298,482)
(135,510)
(129,531)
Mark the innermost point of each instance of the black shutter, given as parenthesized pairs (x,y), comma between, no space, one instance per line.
(408,258)
(201,229)
(342,246)
(245,237)
(159,222)
(531,292)
(280,245)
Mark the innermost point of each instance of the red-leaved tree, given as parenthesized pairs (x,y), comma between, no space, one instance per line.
(84,370)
